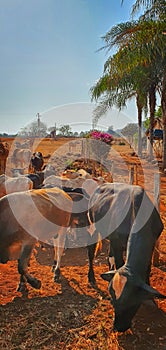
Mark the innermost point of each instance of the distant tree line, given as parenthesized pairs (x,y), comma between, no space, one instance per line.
(65,131)
(32,130)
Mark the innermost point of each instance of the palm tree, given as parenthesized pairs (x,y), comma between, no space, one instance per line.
(153,8)
(117,86)
(156,9)
(143,45)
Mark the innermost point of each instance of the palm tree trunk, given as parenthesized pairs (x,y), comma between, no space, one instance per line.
(163,108)
(152,105)
(139,108)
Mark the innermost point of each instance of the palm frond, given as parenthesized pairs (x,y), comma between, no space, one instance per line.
(153,8)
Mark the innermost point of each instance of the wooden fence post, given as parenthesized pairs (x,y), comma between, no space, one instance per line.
(157,205)
(82,148)
(131,175)
(136,174)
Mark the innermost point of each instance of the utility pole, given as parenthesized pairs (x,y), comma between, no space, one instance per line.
(55,131)
(38,124)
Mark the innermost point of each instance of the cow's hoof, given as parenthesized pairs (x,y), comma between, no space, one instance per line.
(22,288)
(92,283)
(35,283)
(91,279)
(57,278)
(54,266)
(57,275)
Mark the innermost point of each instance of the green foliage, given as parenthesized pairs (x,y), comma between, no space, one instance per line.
(146,123)
(4,135)
(65,130)
(138,64)
(153,8)
(158,114)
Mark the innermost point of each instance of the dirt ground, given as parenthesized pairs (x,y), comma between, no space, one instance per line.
(72,315)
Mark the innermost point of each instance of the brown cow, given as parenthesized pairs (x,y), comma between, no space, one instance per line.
(31,216)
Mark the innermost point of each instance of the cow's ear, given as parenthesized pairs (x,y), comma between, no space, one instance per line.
(107,276)
(150,292)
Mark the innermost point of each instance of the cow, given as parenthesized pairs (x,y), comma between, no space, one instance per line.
(72,174)
(37,161)
(16,184)
(56,181)
(39,176)
(4,149)
(21,157)
(37,180)
(79,222)
(64,181)
(28,217)
(4,152)
(79,218)
(125,214)
(87,184)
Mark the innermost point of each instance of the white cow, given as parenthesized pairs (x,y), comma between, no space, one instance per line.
(21,157)
(87,184)
(14,184)
(61,181)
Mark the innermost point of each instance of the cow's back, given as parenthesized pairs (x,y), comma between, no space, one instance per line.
(114,206)
(28,216)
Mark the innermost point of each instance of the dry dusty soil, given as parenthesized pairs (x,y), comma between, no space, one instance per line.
(73,315)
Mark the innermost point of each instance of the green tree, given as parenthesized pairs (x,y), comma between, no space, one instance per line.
(158,114)
(84,133)
(153,8)
(75,134)
(118,84)
(65,130)
(140,50)
(156,10)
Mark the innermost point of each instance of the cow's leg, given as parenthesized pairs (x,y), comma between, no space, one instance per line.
(111,259)
(116,250)
(91,253)
(59,244)
(23,262)
(148,274)
(91,250)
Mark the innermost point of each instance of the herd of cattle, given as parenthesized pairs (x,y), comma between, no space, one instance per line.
(44,207)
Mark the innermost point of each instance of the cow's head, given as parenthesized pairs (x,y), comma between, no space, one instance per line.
(127,294)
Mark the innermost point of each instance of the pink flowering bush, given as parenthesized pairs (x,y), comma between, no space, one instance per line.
(101,136)
(99,143)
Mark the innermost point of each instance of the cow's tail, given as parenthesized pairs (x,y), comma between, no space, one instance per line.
(98,245)
(98,238)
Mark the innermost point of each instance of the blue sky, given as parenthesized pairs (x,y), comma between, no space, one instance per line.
(49,59)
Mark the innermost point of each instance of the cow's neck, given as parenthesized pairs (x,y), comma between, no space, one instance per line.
(139,253)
